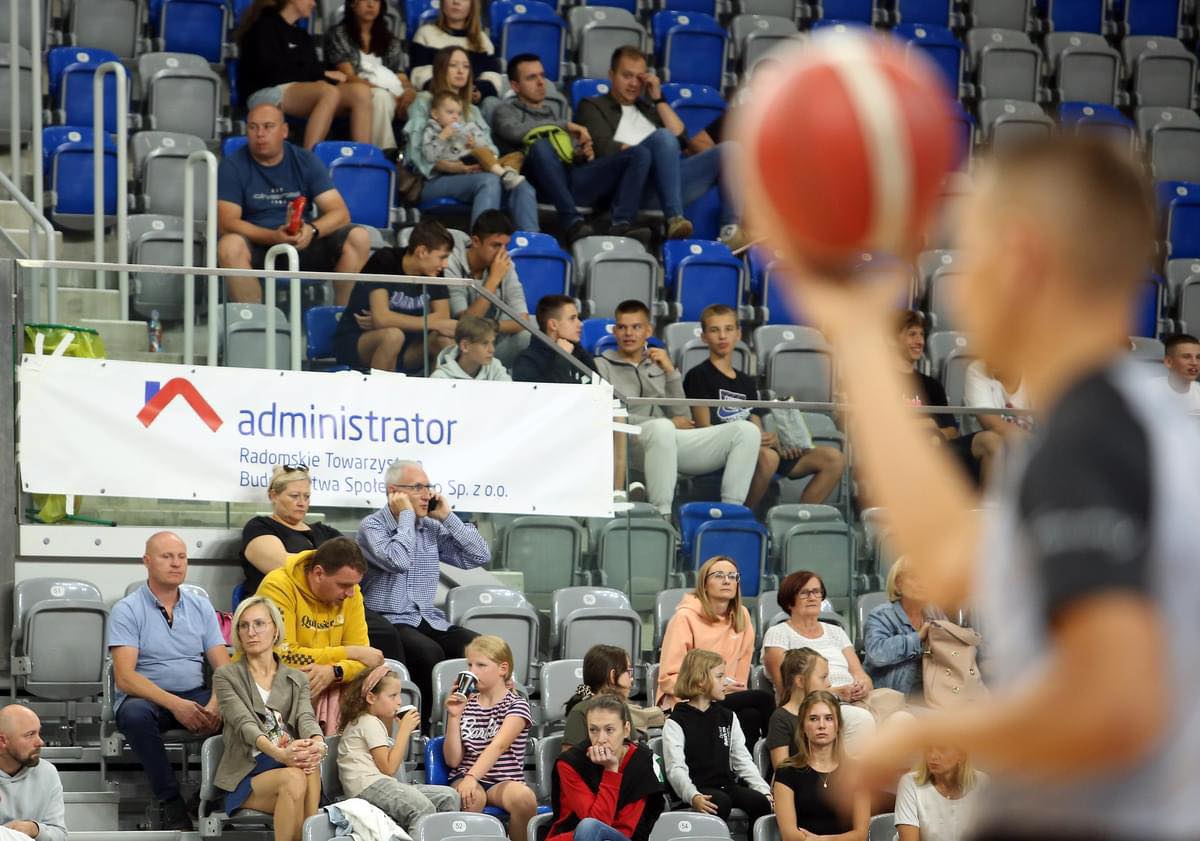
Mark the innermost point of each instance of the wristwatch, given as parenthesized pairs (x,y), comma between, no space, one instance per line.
(316,235)
(338,673)
(657,102)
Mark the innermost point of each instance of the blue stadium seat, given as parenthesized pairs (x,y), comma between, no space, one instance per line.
(364,177)
(193,26)
(413,9)
(320,323)
(498,10)
(690,47)
(779,308)
(964,127)
(1179,203)
(239,9)
(437,773)
(544,268)
(847,11)
(531,27)
(1153,17)
(706,7)
(582,89)
(694,514)
(701,273)
(70,72)
(939,13)
(705,214)
(1093,117)
(595,329)
(939,44)
(231,144)
(696,105)
(1149,306)
(630,6)
(231,75)
(745,541)
(1076,15)
(67,160)
(840,25)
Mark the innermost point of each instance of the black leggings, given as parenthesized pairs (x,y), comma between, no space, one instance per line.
(738,797)
(753,708)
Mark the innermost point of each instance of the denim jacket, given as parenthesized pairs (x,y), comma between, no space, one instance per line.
(893,649)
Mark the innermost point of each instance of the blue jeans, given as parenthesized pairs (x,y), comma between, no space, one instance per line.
(621,176)
(678,181)
(142,723)
(482,191)
(590,829)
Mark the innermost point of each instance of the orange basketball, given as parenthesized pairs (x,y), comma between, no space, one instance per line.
(845,142)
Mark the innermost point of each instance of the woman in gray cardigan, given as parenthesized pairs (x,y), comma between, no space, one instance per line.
(273,744)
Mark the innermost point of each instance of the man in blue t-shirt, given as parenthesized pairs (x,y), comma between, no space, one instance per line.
(256,184)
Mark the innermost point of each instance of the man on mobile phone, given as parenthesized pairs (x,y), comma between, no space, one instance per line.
(404,544)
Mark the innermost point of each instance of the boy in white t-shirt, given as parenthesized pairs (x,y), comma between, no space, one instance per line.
(1182,358)
(984,389)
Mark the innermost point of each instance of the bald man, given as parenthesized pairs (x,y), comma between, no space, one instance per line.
(1082,568)
(254,187)
(159,636)
(31,794)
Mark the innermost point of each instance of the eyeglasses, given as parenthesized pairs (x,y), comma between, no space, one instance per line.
(726,576)
(257,625)
(420,489)
(296,468)
(816,593)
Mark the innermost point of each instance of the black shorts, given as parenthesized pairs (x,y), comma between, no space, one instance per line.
(321,255)
(345,348)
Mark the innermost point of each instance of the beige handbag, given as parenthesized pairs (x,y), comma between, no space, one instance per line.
(949,671)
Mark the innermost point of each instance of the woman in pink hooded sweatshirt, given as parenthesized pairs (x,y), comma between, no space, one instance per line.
(714,619)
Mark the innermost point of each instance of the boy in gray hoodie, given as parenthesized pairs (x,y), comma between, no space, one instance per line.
(472,357)
(31,794)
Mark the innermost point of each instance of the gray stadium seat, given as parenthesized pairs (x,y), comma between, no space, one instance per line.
(1149,349)
(694,352)
(1172,136)
(765,829)
(1162,71)
(581,617)
(1084,67)
(104,24)
(158,241)
(548,550)
(111,740)
(181,93)
(213,822)
(766,613)
(762,756)
(954,377)
(457,826)
(882,827)
(46,37)
(676,335)
(539,826)
(57,650)
(1006,64)
(768,336)
(779,8)
(612,270)
(599,30)
(753,36)
(1000,14)
(797,370)
(1179,272)
(243,335)
(159,163)
(444,674)
(1008,121)
(331,781)
(780,518)
(547,752)
(689,826)
(863,605)
(558,680)
(941,346)
(759,678)
(955,189)
(826,549)
(664,609)
(929,262)
(941,298)
(319,827)
(875,528)
(636,555)
(494,611)
(24,70)
(410,693)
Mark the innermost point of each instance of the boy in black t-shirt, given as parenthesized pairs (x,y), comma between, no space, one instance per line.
(383,323)
(716,378)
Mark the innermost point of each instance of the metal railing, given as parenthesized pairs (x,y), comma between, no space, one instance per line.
(189,251)
(122,96)
(39,220)
(35,101)
(293,258)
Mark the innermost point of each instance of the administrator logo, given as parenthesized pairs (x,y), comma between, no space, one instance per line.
(158,399)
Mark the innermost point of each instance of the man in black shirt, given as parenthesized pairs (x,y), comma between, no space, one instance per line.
(383,324)
(1083,567)
(557,317)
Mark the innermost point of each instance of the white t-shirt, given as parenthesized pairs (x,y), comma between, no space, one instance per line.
(634,127)
(1190,398)
(939,819)
(982,391)
(831,645)
(356,766)
(278,729)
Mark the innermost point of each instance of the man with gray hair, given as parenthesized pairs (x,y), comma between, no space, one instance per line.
(404,543)
(31,794)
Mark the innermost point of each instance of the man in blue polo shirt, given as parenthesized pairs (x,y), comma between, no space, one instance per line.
(159,636)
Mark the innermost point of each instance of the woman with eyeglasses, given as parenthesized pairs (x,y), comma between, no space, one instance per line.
(713,618)
(607,670)
(800,596)
(273,743)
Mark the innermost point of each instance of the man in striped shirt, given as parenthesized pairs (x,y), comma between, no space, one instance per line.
(404,543)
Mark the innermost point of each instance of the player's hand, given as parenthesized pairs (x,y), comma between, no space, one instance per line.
(661,358)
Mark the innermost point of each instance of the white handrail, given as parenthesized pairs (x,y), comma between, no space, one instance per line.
(38,218)
(35,50)
(118,69)
(293,257)
(14,88)
(189,250)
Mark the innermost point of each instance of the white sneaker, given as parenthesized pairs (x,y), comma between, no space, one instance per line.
(637,492)
(511,179)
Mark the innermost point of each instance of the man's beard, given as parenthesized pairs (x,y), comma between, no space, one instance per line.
(30,761)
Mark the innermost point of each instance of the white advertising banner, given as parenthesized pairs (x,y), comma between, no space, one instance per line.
(137,429)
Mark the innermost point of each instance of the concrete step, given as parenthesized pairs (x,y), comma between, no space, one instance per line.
(12,216)
(77,303)
(94,811)
(20,235)
(120,337)
(162,356)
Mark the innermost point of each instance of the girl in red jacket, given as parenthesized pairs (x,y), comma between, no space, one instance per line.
(607,789)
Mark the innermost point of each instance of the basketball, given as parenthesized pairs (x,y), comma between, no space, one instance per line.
(845,142)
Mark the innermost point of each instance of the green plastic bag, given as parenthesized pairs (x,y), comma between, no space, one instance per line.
(85,342)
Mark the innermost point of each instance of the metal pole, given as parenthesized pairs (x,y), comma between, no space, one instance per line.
(35,49)
(99,133)
(189,242)
(14,88)
(294,315)
(293,257)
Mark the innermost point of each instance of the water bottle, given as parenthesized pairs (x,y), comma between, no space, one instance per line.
(155,331)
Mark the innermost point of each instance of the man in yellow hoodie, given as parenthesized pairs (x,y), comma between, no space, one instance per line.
(324,627)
